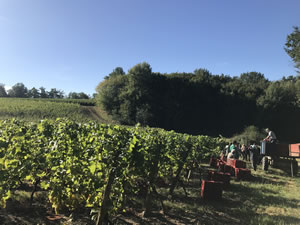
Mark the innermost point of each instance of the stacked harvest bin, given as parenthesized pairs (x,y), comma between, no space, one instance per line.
(218,180)
(239,168)
(211,190)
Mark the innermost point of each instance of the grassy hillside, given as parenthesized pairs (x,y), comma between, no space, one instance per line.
(37,109)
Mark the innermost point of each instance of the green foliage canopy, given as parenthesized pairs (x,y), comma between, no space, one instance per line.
(200,102)
(18,91)
(2,91)
(293,46)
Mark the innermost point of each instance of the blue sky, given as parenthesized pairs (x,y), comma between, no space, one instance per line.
(72,44)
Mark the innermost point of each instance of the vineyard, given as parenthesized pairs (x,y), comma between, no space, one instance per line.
(96,166)
(81,110)
(84,102)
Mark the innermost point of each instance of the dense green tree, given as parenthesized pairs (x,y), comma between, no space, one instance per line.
(297,90)
(73,95)
(279,94)
(54,93)
(131,97)
(202,75)
(110,95)
(3,92)
(234,87)
(18,91)
(139,91)
(289,78)
(253,84)
(249,135)
(43,92)
(249,85)
(293,46)
(33,93)
(117,71)
(80,95)
(253,78)
(202,103)
(83,95)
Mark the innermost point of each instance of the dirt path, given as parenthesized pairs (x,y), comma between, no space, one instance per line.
(91,110)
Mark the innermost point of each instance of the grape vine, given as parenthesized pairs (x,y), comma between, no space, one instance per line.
(94,165)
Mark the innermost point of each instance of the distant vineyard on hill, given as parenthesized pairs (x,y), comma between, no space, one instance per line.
(84,102)
(79,110)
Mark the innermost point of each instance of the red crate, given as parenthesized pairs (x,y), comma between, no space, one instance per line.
(294,150)
(229,169)
(240,164)
(242,173)
(220,176)
(230,162)
(236,163)
(211,190)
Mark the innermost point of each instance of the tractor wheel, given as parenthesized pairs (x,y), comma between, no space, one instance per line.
(265,163)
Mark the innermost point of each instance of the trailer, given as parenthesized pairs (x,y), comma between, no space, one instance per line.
(280,155)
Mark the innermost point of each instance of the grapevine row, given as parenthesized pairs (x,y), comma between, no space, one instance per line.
(94,165)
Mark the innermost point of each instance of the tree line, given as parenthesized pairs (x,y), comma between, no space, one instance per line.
(19,90)
(203,103)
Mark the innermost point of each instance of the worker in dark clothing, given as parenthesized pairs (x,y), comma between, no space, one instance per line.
(254,154)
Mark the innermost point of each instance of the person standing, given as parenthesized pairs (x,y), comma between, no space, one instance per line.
(254,154)
(226,150)
(243,151)
(231,155)
(271,137)
(236,149)
(233,146)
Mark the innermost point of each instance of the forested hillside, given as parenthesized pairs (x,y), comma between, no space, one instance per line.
(201,102)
